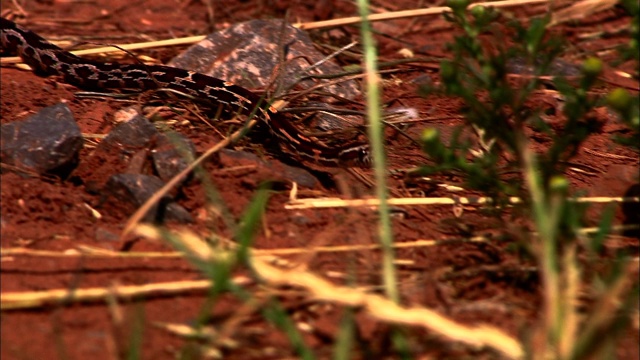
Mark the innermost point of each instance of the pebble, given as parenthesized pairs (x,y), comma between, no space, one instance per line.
(47,142)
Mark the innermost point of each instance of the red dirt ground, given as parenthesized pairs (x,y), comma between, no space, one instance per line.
(470,282)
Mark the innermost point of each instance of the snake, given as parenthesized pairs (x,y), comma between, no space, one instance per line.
(47,59)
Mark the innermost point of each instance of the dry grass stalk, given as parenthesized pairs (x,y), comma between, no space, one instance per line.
(378,307)
(36,299)
(337,203)
(94,252)
(580,10)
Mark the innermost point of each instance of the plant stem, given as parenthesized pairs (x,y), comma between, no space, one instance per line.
(377,149)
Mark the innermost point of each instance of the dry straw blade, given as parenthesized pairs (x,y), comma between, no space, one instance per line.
(580,10)
(338,203)
(378,307)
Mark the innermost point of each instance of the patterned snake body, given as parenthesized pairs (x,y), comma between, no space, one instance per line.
(46,59)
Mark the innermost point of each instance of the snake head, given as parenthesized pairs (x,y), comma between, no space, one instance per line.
(356,156)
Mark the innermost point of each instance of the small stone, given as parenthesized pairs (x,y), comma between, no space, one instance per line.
(47,142)
(172,154)
(136,189)
(103,234)
(631,210)
(620,181)
(277,170)
(559,67)
(115,153)
(131,135)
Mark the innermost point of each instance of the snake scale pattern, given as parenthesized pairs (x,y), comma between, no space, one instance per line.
(47,59)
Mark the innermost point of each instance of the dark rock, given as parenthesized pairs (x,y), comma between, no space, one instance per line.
(248,53)
(47,142)
(261,54)
(631,211)
(558,67)
(136,189)
(132,135)
(172,154)
(103,234)
(115,153)
(277,170)
(620,181)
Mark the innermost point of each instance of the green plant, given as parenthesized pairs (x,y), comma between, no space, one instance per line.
(499,110)
(500,113)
